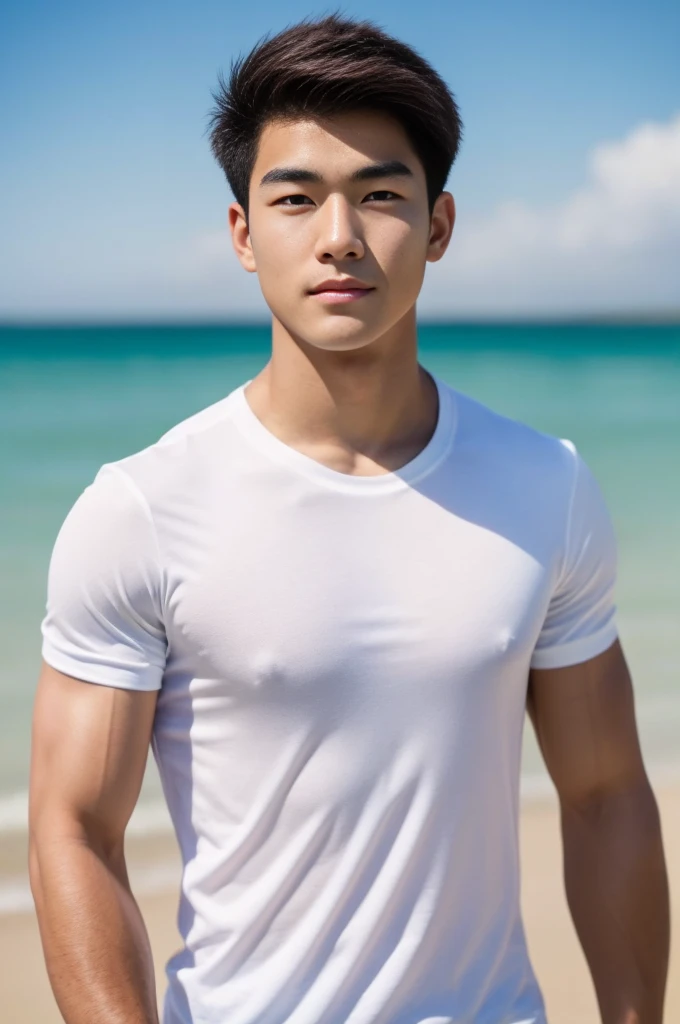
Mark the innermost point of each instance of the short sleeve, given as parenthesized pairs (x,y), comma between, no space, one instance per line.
(581,618)
(103,621)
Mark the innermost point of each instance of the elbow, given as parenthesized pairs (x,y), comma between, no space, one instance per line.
(632,800)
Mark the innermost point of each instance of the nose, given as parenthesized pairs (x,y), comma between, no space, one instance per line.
(339,234)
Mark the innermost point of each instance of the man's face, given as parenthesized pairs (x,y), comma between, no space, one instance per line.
(336,198)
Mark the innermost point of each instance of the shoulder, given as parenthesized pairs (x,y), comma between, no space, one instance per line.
(180,458)
(198,423)
(510,447)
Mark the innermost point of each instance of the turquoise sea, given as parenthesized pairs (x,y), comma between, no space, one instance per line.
(74,398)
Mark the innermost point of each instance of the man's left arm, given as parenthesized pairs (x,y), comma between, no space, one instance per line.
(614,866)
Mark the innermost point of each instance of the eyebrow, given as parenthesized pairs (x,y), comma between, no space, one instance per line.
(387,169)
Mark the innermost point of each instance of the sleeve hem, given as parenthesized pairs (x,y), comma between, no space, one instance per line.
(575,651)
(141,679)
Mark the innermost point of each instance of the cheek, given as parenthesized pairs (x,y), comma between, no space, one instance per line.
(278,245)
(281,258)
(400,249)
(274,244)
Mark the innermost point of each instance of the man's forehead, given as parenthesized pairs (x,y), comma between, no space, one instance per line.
(357,139)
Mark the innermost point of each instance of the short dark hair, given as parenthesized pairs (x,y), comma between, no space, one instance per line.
(325,67)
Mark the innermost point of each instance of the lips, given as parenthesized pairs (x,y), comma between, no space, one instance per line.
(342,285)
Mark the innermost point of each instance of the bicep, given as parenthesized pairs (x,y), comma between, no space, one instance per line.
(89,747)
(584,719)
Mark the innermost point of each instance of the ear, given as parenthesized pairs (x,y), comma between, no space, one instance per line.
(240,237)
(441,226)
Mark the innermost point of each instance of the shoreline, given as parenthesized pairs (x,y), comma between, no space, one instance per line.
(553,946)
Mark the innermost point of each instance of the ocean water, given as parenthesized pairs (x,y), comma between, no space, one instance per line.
(72,399)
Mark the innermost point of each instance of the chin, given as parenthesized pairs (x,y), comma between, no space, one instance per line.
(342,337)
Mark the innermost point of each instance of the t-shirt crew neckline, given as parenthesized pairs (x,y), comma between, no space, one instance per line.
(424,462)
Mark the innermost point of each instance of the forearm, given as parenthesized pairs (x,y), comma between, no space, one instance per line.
(617,890)
(95,943)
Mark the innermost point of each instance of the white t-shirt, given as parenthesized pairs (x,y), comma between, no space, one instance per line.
(342,664)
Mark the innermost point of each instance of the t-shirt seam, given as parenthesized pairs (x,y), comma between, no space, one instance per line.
(146,509)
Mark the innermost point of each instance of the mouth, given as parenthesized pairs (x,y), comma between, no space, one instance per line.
(339,291)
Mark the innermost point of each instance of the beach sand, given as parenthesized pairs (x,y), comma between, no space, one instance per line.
(26,998)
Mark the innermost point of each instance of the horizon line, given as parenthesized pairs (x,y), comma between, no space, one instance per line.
(632,317)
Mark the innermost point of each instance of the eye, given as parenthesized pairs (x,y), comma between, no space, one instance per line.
(383,194)
(293,200)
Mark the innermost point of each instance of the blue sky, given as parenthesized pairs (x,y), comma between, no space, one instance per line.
(567,184)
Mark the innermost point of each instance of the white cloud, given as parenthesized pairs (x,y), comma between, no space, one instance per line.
(614,244)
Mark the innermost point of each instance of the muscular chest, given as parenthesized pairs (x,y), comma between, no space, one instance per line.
(295,606)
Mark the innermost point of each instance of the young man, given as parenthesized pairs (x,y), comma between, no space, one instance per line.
(327,600)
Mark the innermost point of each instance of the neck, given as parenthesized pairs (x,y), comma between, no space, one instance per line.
(374,404)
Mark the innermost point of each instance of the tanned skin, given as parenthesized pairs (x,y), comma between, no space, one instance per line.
(614,865)
(89,749)
(333,198)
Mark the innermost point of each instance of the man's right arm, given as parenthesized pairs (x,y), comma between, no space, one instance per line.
(89,749)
